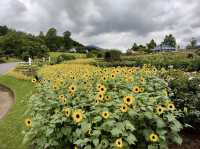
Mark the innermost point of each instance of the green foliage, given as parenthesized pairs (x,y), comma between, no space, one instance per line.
(177,59)
(193,44)
(3,30)
(64,57)
(90,55)
(186,95)
(22,45)
(169,40)
(53,129)
(140,48)
(151,45)
(67,40)
(112,55)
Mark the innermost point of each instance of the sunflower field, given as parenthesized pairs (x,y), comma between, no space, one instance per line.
(85,107)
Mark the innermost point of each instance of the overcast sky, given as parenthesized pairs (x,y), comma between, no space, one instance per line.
(106,23)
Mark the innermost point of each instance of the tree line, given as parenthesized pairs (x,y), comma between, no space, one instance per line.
(169,40)
(22,45)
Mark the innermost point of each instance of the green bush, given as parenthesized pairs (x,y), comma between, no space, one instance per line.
(186,95)
(64,57)
(90,55)
(112,55)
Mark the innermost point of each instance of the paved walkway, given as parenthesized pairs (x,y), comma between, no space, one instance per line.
(4,68)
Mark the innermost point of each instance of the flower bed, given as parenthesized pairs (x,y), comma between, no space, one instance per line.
(82,106)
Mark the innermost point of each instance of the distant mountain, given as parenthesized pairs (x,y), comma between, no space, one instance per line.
(93,47)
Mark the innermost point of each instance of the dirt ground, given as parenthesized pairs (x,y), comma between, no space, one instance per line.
(191,140)
(6,101)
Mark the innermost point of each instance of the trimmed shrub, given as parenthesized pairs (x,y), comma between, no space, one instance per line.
(112,55)
(64,57)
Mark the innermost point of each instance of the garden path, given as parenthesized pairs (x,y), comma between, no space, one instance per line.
(5,67)
(6,100)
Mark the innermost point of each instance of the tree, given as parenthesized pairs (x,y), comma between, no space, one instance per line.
(113,55)
(68,43)
(51,37)
(151,44)
(22,45)
(169,40)
(193,43)
(135,47)
(3,30)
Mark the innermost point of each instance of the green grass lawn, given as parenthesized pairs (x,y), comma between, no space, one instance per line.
(56,54)
(12,125)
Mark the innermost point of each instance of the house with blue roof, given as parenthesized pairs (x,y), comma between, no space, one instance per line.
(164,48)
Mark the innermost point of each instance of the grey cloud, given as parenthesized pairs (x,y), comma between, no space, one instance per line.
(102,21)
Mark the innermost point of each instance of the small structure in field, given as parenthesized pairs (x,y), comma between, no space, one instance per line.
(72,50)
(163,48)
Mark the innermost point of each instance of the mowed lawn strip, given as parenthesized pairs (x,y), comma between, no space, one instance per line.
(12,125)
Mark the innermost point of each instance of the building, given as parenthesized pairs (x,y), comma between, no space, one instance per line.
(72,50)
(163,48)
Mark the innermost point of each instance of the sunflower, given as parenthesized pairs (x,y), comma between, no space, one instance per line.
(102,89)
(61,97)
(128,100)
(136,89)
(28,122)
(171,107)
(107,98)
(142,79)
(98,87)
(124,108)
(77,116)
(34,80)
(55,87)
(113,75)
(64,100)
(67,112)
(153,137)
(160,110)
(119,143)
(105,114)
(141,90)
(104,78)
(72,88)
(100,96)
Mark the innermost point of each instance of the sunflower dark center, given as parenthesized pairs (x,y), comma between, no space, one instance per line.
(128,99)
(77,116)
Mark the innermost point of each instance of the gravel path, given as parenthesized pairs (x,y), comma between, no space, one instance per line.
(6,100)
(4,68)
